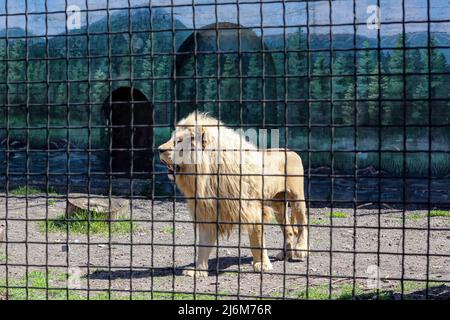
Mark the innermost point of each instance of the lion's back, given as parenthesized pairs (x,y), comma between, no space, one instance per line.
(282,161)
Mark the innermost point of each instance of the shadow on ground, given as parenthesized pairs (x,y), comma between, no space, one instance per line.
(224,264)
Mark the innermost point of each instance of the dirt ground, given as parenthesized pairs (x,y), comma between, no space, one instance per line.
(345,250)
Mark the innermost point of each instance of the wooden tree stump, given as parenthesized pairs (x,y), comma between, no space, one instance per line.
(111,208)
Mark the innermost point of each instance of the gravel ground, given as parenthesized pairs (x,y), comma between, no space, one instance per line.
(156,263)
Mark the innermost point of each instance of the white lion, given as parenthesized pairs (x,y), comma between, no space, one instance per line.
(228,181)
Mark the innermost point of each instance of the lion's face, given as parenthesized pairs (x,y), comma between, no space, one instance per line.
(179,152)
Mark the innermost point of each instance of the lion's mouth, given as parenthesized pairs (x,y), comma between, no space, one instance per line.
(173,168)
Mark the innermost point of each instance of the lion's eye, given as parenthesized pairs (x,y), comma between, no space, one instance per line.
(178,141)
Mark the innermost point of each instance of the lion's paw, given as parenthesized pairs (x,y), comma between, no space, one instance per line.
(195,273)
(260,266)
(297,254)
(300,254)
(282,255)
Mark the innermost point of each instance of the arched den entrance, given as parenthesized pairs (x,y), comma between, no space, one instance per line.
(222,64)
(130,118)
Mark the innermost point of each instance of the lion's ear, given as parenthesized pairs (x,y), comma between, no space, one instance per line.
(198,135)
(203,130)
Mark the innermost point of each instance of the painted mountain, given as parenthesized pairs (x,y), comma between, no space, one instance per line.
(329,95)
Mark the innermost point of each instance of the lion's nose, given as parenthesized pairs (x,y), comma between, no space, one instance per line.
(162,149)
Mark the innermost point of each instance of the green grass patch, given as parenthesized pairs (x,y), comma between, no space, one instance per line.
(414,216)
(37,282)
(30,191)
(78,223)
(23,191)
(56,284)
(168,229)
(432,213)
(314,221)
(2,258)
(440,213)
(346,292)
(409,285)
(322,292)
(337,214)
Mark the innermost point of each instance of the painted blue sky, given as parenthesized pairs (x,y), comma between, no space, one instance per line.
(249,14)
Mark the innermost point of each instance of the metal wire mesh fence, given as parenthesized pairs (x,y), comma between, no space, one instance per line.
(103,102)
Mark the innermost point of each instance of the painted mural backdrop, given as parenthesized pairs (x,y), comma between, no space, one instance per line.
(48,85)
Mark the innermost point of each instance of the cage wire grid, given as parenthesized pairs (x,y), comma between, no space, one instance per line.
(180,87)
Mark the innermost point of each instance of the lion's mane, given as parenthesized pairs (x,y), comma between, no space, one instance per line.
(226,184)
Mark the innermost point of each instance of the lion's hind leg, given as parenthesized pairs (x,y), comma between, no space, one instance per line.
(298,213)
(281,214)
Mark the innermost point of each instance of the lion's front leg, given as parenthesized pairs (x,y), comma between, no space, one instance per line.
(207,239)
(261,260)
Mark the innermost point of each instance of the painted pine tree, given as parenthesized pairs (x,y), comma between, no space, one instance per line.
(2,73)
(342,89)
(416,88)
(297,86)
(367,85)
(440,84)
(320,87)
(252,90)
(229,90)
(17,72)
(393,87)
(208,82)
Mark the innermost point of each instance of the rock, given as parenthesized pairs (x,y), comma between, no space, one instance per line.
(14,144)
(61,144)
(320,170)
(53,145)
(370,171)
(363,205)
(110,207)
